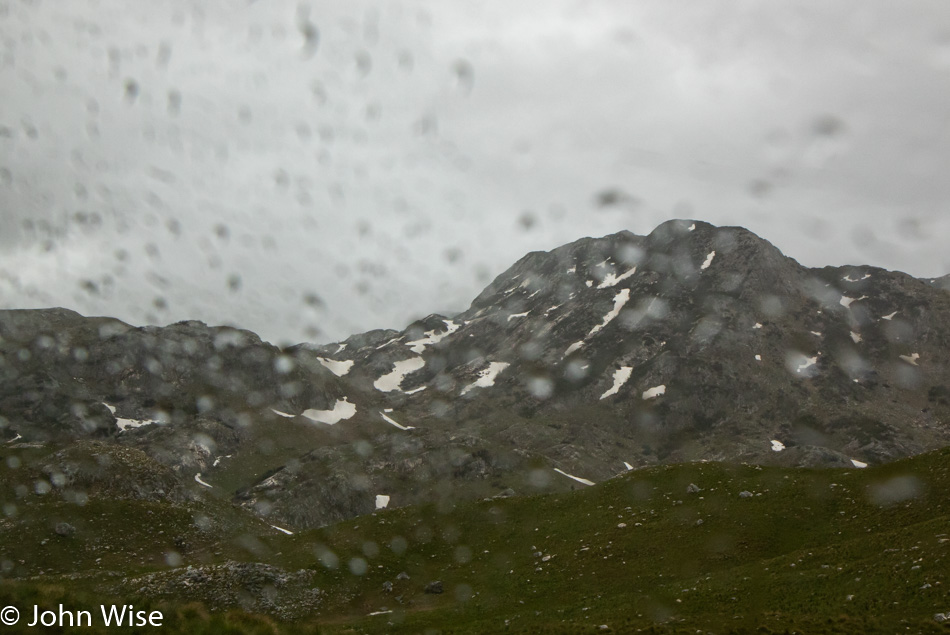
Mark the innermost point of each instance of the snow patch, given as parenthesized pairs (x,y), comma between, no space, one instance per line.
(487,376)
(200,482)
(385,344)
(382,500)
(692,227)
(414,390)
(126,424)
(911,359)
(218,459)
(389,420)
(589,283)
(858,464)
(621,376)
(342,346)
(576,478)
(708,261)
(286,531)
(573,347)
(628,466)
(130,424)
(856,337)
(758,358)
(889,317)
(612,279)
(392,380)
(619,300)
(757,326)
(282,414)
(777,446)
(655,392)
(338,368)
(517,315)
(846,302)
(433,337)
(573,269)
(342,409)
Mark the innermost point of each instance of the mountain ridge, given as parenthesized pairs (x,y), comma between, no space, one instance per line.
(691,343)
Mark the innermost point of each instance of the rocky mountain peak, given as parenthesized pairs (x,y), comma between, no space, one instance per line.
(694,342)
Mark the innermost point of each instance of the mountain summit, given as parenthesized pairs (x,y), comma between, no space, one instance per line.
(604,355)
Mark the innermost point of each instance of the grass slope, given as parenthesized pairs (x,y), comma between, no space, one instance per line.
(811,551)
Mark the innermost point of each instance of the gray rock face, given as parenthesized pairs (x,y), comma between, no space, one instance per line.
(694,342)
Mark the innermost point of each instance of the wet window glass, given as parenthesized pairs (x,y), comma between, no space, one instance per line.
(430,317)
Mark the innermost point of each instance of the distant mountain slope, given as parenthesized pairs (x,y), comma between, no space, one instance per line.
(692,343)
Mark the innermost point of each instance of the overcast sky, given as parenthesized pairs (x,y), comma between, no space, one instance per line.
(312,169)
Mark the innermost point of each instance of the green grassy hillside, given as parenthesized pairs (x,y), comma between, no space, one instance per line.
(809,551)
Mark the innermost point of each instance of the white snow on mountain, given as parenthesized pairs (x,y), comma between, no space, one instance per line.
(612,279)
(911,359)
(387,343)
(200,482)
(621,375)
(338,368)
(573,347)
(392,380)
(576,478)
(126,424)
(432,337)
(391,421)
(846,302)
(129,424)
(619,300)
(487,376)
(342,409)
